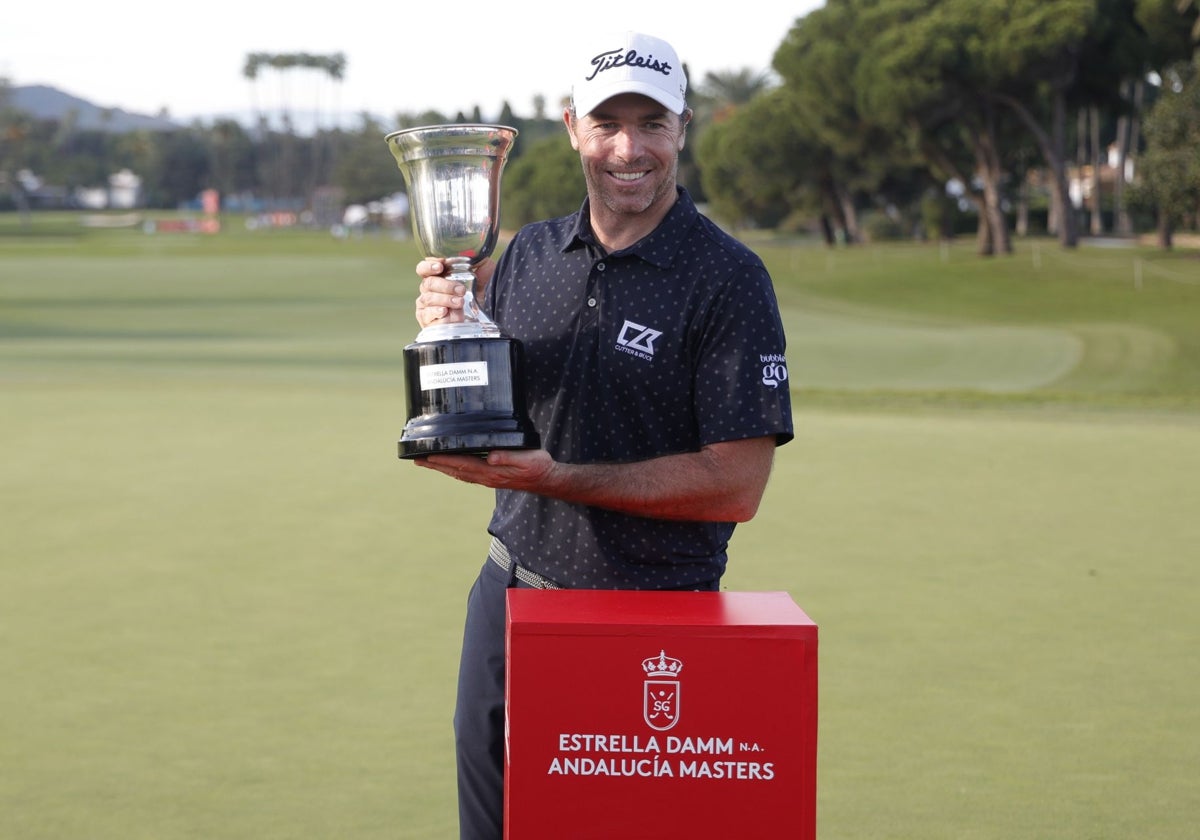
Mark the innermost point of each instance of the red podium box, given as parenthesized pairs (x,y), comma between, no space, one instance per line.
(659,715)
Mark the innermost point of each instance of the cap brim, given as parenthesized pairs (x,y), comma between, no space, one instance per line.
(595,97)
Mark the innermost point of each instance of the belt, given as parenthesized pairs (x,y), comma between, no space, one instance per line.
(498,554)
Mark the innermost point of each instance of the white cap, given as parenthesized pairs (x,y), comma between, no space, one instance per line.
(628,62)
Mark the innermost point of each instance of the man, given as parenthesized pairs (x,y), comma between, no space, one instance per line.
(654,367)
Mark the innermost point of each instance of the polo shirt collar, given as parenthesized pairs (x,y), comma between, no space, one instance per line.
(657,248)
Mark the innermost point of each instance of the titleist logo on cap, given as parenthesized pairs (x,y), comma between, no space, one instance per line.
(612,59)
(629,62)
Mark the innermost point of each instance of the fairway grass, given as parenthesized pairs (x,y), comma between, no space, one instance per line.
(221,618)
(1008,614)
(227,609)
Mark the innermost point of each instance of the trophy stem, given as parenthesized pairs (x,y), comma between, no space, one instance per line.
(471,322)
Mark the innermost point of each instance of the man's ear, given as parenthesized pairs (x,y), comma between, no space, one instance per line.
(569,123)
(685,119)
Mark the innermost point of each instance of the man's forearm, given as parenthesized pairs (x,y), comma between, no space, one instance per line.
(721,483)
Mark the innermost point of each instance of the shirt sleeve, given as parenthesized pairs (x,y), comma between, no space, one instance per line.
(741,378)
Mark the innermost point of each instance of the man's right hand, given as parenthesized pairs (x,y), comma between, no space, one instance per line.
(440,299)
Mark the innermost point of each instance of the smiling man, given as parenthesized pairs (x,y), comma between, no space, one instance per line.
(656,378)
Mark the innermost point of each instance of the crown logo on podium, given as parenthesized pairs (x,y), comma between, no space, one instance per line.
(662,665)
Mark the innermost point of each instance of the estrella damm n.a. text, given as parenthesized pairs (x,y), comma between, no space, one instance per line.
(586,742)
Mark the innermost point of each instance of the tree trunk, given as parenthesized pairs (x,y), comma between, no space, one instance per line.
(1081,154)
(827,230)
(1129,150)
(1053,146)
(945,166)
(983,233)
(1165,231)
(994,213)
(831,201)
(1121,221)
(833,210)
(1097,204)
(990,173)
(1023,207)
(1081,133)
(849,214)
(1054,215)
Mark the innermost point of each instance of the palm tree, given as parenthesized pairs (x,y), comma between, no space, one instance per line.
(333,66)
(713,100)
(724,91)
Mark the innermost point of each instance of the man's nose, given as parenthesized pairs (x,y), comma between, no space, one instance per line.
(628,143)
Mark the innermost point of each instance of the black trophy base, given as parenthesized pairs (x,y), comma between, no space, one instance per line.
(465,396)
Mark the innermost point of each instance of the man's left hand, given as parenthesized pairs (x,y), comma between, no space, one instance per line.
(502,469)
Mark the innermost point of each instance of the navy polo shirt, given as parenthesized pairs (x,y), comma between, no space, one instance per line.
(660,348)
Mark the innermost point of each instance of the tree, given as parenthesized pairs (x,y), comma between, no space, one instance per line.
(141,152)
(1049,57)
(1128,142)
(365,168)
(545,182)
(715,99)
(759,164)
(15,130)
(722,92)
(333,67)
(1170,171)
(923,71)
(185,163)
(1172,31)
(231,157)
(817,61)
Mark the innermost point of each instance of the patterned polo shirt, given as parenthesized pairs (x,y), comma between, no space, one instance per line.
(660,348)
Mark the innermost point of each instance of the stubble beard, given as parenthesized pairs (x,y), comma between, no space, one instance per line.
(624,203)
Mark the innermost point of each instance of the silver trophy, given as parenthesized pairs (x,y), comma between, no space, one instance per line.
(463,376)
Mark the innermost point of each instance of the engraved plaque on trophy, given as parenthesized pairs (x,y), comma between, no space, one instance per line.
(463,382)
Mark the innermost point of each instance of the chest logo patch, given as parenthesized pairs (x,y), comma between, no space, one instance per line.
(637,340)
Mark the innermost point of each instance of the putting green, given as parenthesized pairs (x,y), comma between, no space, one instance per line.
(246,337)
(857,351)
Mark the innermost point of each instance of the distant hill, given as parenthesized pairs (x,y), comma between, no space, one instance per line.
(45,102)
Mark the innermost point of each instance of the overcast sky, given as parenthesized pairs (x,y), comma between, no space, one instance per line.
(402,56)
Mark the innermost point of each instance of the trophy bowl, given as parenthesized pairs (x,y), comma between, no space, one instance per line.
(464,388)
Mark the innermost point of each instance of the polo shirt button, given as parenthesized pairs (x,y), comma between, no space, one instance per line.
(600,266)
(591,302)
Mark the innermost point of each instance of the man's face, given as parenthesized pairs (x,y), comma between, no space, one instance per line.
(629,146)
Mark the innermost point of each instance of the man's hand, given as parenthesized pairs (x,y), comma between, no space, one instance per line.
(440,299)
(502,469)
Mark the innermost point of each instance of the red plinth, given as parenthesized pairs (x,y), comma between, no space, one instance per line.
(660,715)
